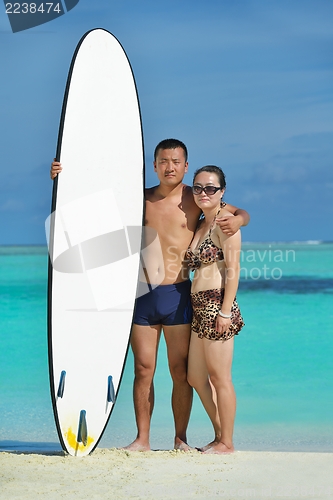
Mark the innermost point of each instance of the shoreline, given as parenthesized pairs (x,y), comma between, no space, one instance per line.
(250,242)
(279,438)
(46,448)
(119,474)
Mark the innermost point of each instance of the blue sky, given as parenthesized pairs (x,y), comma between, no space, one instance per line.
(247,85)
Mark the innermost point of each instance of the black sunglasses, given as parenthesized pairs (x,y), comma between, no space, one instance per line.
(209,190)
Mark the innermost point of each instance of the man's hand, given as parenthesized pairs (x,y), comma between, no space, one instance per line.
(230,224)
(56,168)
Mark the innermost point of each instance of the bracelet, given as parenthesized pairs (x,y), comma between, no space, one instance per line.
(226,316)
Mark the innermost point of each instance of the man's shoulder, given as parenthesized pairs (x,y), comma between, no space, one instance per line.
(188,203)
(150,189)
(183,191)
(187,189)
(186,197)
(187,194)
(149,192)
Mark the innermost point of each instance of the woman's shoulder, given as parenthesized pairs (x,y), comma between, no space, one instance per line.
(224,211)
(217,231)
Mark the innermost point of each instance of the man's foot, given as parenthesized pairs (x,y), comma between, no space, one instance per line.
(219,449)
(137,446)
(182,445)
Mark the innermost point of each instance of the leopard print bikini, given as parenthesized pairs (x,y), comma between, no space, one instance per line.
(207,303)
(206,253)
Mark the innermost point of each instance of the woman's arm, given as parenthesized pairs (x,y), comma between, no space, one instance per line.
(231,249)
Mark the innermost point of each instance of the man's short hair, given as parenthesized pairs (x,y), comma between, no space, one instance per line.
(170,144)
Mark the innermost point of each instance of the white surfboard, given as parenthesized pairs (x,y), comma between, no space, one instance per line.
(94,239)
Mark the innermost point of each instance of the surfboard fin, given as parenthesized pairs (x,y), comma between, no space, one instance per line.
(61,385)
(111,393)
(82,433)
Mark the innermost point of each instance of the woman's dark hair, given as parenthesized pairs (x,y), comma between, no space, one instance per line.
(212,169)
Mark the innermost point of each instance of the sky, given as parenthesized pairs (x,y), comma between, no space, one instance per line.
(246,84)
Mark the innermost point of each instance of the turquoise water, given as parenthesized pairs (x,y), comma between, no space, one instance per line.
(283,370)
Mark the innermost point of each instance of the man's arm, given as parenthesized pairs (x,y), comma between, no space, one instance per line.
(56,168)
(230,225)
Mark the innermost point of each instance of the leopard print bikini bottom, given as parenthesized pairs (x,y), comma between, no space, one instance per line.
(206,305)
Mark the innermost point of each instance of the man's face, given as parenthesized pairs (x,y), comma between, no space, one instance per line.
(170,166)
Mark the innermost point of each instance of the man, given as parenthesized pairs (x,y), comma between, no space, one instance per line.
(172,213)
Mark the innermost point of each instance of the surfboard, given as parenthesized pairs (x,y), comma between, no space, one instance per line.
(94,238)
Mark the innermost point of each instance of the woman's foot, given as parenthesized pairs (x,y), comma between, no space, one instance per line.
(219,449)
(209,445)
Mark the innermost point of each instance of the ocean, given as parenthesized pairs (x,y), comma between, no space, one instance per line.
(282,370)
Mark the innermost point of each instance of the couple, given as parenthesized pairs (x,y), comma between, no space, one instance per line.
(173,210)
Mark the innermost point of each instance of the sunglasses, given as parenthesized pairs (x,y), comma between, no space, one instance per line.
(208,190)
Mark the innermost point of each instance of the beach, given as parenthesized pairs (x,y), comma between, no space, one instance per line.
(119,474)
(282,375)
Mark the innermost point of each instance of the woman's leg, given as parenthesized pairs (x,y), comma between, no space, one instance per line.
(218,357)
(197,376)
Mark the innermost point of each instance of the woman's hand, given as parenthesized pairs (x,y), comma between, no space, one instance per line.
(222,324)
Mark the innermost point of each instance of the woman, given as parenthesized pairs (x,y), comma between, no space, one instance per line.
(216,316)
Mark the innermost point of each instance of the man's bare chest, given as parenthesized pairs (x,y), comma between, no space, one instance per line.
(169,217)
(157,212)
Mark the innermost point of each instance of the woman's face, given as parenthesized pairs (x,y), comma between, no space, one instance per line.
(203,199)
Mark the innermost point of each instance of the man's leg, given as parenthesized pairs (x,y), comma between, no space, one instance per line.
(177,339)
(144,342)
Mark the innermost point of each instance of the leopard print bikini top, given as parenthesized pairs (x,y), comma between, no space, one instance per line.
(206,253)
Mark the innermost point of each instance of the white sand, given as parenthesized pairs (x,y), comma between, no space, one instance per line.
(118,474)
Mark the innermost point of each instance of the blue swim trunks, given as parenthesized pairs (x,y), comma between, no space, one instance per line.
(165,305)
